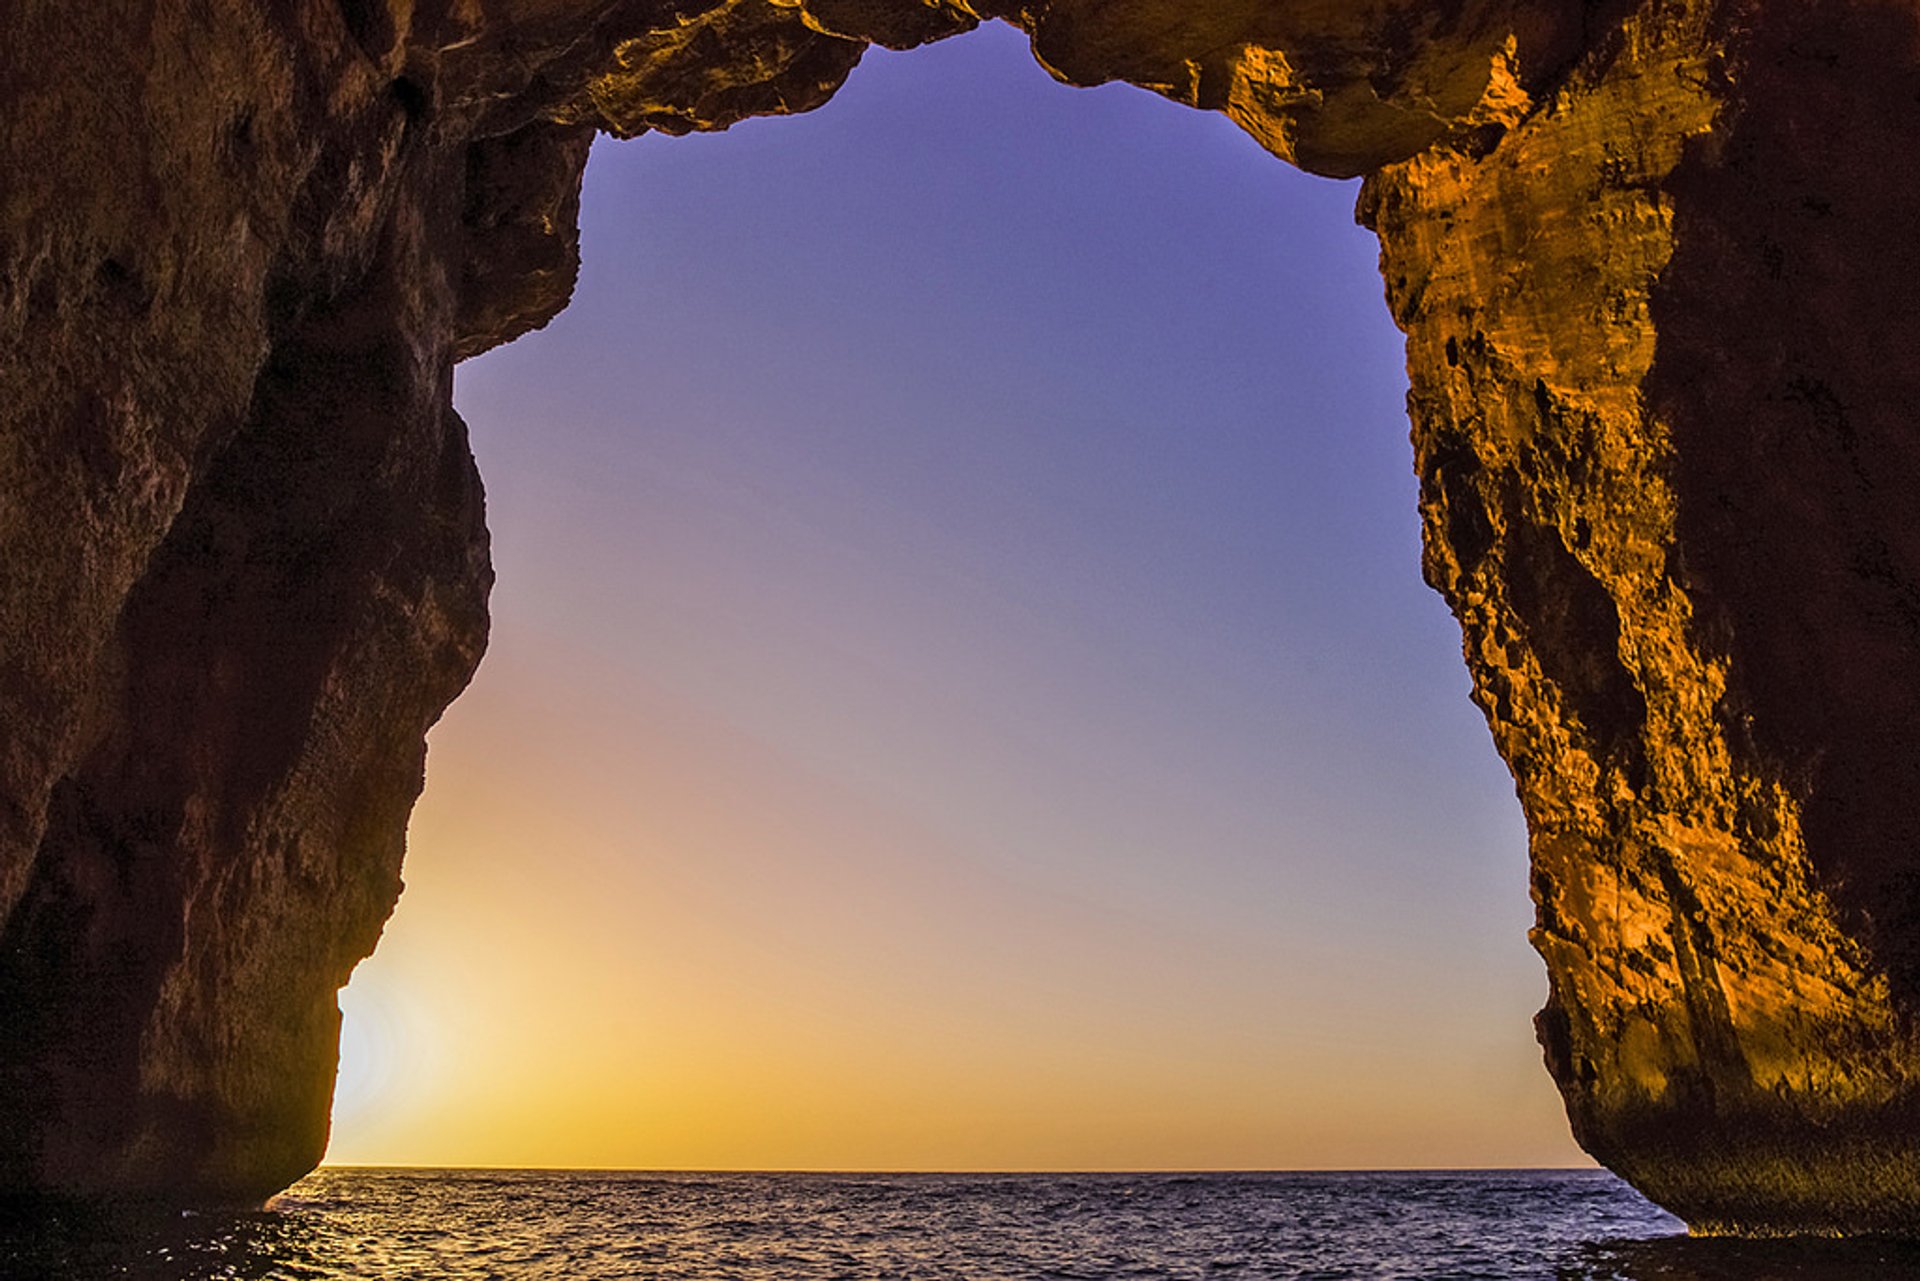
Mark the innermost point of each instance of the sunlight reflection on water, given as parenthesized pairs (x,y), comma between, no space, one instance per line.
(341,1223)
(459,1224)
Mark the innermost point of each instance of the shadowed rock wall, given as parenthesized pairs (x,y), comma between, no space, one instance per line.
(1654,265)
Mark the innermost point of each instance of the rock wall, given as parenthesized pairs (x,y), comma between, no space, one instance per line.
(1649,256)
(1663,431)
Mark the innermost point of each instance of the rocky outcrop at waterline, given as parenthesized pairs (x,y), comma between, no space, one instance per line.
(1654,265)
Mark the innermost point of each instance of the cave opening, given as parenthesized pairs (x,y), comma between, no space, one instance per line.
(959,657)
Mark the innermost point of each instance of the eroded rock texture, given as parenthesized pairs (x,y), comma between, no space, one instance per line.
(1655,264)
(1659,338)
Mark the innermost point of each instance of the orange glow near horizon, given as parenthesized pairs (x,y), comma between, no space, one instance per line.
(662,1014)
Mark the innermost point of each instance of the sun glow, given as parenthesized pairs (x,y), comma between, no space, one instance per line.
(389,1052)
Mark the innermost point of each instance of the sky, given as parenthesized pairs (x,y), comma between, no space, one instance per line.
(961,692)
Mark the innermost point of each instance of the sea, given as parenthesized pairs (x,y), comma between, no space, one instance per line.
(395,1224)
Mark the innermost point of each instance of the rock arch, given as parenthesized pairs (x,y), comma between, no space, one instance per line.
(1653,263)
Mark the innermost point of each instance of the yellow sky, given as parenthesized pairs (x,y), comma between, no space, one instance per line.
(596,967)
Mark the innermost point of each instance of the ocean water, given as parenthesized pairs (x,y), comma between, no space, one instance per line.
(598,1226)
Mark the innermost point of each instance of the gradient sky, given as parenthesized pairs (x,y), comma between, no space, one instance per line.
(961,691)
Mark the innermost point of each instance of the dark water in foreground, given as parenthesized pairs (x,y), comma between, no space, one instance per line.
(589,1226)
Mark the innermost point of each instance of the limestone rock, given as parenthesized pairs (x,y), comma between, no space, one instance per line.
(242,566)
(1667,457)
(1654,265)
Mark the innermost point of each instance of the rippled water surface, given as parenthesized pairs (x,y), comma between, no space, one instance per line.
(1570,1226)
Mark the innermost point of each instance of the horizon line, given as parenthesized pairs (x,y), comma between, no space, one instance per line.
(1036,1170)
